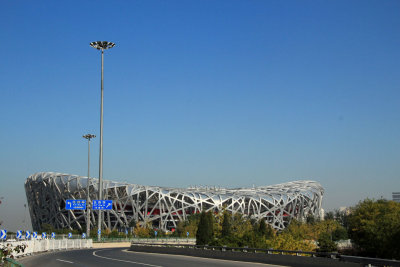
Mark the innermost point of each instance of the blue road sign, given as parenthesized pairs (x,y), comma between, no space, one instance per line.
(27,235)
(75,204)
(102,204)
(3,234)
(19,234)
(99,232)
(155,233)
(34,234)
(83,235)
(53,235)
(69,235)
(44,235)
(126,231)
(187,234)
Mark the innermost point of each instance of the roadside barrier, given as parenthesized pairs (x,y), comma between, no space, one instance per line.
(160,240)
(34,246)
(257,252)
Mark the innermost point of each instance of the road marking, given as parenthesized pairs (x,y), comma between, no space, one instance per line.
(145,264)
(64,261)
(210,259)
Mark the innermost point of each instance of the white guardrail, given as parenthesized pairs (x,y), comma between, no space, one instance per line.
(34,246)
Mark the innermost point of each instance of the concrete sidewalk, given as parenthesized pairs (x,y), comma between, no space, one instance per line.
(112,245)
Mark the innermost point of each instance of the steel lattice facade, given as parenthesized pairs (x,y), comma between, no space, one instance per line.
(165,207)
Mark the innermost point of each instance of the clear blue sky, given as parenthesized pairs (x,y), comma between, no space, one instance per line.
(226,93)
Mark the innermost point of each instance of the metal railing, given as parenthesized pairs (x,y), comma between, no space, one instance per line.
(244,249)
(334,255)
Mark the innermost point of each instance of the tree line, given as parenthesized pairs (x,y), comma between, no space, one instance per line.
(372,225)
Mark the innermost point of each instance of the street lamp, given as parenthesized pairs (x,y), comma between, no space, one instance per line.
(101,45)
(88,137)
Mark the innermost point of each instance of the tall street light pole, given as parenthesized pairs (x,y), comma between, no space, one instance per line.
(88,206)
(101,45)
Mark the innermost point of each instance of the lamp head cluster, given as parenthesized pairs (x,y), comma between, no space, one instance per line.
(89,136)
(102,45)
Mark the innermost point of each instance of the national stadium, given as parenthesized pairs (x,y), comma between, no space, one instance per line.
(165,207)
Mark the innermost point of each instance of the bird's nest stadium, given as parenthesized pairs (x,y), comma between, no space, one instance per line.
(164,207)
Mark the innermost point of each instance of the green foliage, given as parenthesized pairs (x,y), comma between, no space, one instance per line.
(262,228)
(132,223)
(205,232)
(310,219)
(226,225)
(201,234)
(7,250)
(270,232)
(93,233)
(210,223)
(189,225)
(45,227)
(329,216)
(286,241)
(326,244)
(342,218)
(374,226)
(142,231)
(339,233)
(114,233)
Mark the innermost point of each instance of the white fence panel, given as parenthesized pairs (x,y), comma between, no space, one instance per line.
(33,246)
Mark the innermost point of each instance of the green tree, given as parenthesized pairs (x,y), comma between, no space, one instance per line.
(310,219)
(132,223)
(342,217)
(339,233)
(142,230)
(262,228)
(226,225)
(202,230)
(374,226)
(325,243)
(210,228)
(114,234)
(329,216)
(187,226)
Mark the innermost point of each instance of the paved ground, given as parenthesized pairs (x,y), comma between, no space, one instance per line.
(121,257)
(112,245)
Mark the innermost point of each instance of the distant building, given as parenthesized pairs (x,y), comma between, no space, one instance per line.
(396,196)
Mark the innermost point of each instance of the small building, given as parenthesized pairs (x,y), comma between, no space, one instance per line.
(396,196)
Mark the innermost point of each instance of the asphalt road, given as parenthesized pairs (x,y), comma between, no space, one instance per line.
(121,257)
